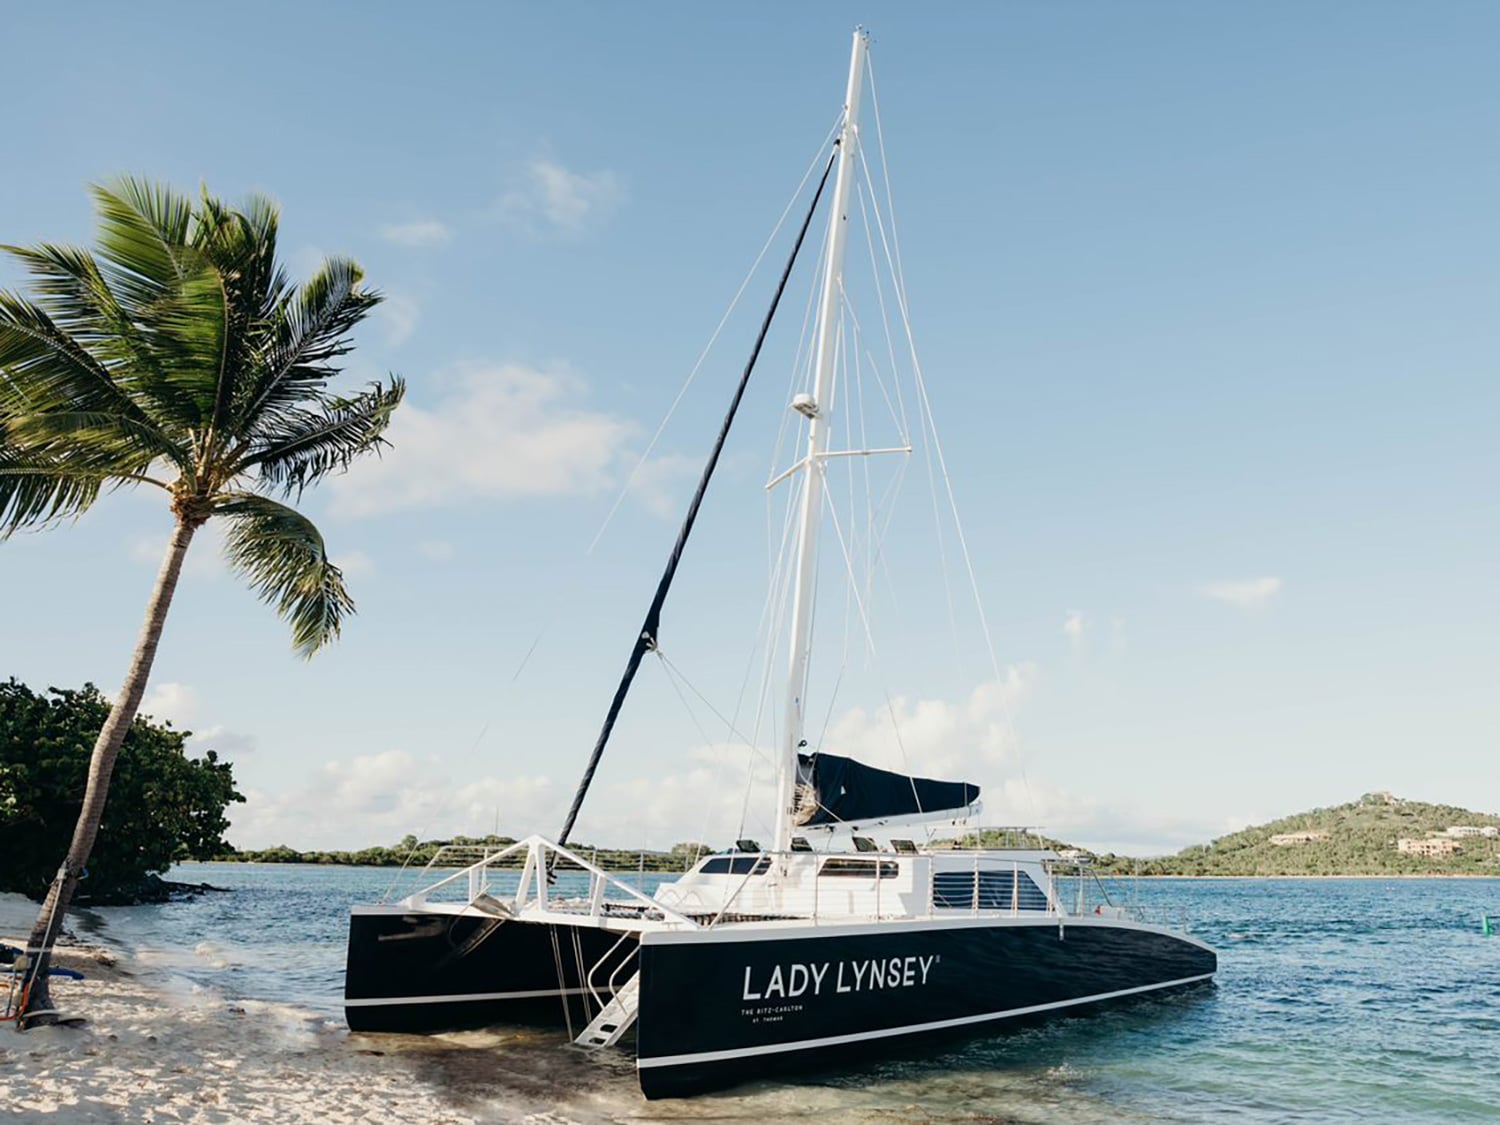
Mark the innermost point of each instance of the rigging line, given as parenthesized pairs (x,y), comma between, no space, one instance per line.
(846,305)
(847,308)
(728,724)
(864,443)
(862,467)
(898,411)
(780,578)
(763,627)
(646,639)
(833,518)
(713,339)
(928,427)
(925,405)
(984,625)
(676,676)
(801,361)
(828,718)
(899,276)
(673,676)
(842,351)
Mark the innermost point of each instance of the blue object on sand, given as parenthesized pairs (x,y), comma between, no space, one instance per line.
(71,974)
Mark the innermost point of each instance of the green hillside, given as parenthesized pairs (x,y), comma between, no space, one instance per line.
(1359,838)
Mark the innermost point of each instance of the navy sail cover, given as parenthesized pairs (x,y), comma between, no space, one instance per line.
(847,791)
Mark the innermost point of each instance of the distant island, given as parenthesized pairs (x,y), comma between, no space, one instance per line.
(1379,834)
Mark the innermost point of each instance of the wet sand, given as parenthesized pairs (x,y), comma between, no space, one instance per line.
(155,1049)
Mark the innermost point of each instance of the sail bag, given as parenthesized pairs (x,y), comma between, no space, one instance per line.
(835,790)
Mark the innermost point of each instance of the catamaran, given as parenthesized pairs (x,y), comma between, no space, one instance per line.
(879,914)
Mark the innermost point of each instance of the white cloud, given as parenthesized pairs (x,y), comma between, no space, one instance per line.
(1074,625)
(500,433)
(423,232)
(354,563)
(702,802)
(1101,826)
(178,704)
(1246,593)
(662,484)
(399,317)
(438,550)
(170,702)
(225,743)
(971,739)
(548,195)
(378,798)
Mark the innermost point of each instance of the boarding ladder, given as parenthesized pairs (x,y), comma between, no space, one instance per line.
(616,1017)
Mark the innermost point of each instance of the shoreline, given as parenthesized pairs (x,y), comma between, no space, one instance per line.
(188,864)
(154,1048)
(1393,875)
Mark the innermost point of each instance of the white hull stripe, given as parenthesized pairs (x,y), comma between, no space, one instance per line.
(462,997)
(907,1029)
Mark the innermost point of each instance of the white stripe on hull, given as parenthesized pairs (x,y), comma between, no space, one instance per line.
(464,997)
(907,1029)
(792,929)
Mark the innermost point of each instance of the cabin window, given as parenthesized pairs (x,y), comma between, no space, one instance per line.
(859,868)
(996,890)
(736,865)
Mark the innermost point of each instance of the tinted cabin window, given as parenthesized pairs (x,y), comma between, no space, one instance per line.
(859,868)
(736,865)
(997,890)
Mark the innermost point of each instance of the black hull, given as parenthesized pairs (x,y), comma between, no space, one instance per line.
(735,1007)
(426,971)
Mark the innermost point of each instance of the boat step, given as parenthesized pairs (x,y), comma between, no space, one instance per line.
(616,1018)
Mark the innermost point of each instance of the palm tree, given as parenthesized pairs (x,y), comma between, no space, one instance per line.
(179,356)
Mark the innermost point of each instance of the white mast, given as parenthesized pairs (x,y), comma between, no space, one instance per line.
(817,444)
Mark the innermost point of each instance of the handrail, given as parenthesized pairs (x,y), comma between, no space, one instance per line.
(537,848)
(589,977)
(613,991)
(714,921)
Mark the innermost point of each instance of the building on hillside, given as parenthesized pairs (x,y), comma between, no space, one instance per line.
(1289,839)
(1436,846)
(1459,831)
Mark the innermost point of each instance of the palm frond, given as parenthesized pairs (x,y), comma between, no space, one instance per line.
(300,447)
(143,238)
(36,490)
(282,555)
(241,246)
(90,440)
(305,333)
(75,297)
(44,369)
(170,292)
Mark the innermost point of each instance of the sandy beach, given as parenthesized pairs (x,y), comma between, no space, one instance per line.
(152,1051)
(158,1049)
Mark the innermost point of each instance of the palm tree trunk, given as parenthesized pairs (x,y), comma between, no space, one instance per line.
(36,1003)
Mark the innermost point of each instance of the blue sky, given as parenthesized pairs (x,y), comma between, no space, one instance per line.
(1205,297)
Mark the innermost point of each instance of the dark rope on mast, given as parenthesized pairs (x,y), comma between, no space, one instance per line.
(646,640)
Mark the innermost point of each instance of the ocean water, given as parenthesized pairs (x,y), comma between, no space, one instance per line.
(1337,1000)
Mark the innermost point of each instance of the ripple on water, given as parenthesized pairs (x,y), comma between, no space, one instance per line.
(1336,1000)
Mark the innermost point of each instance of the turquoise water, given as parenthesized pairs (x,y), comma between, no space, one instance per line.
(1337,1000)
